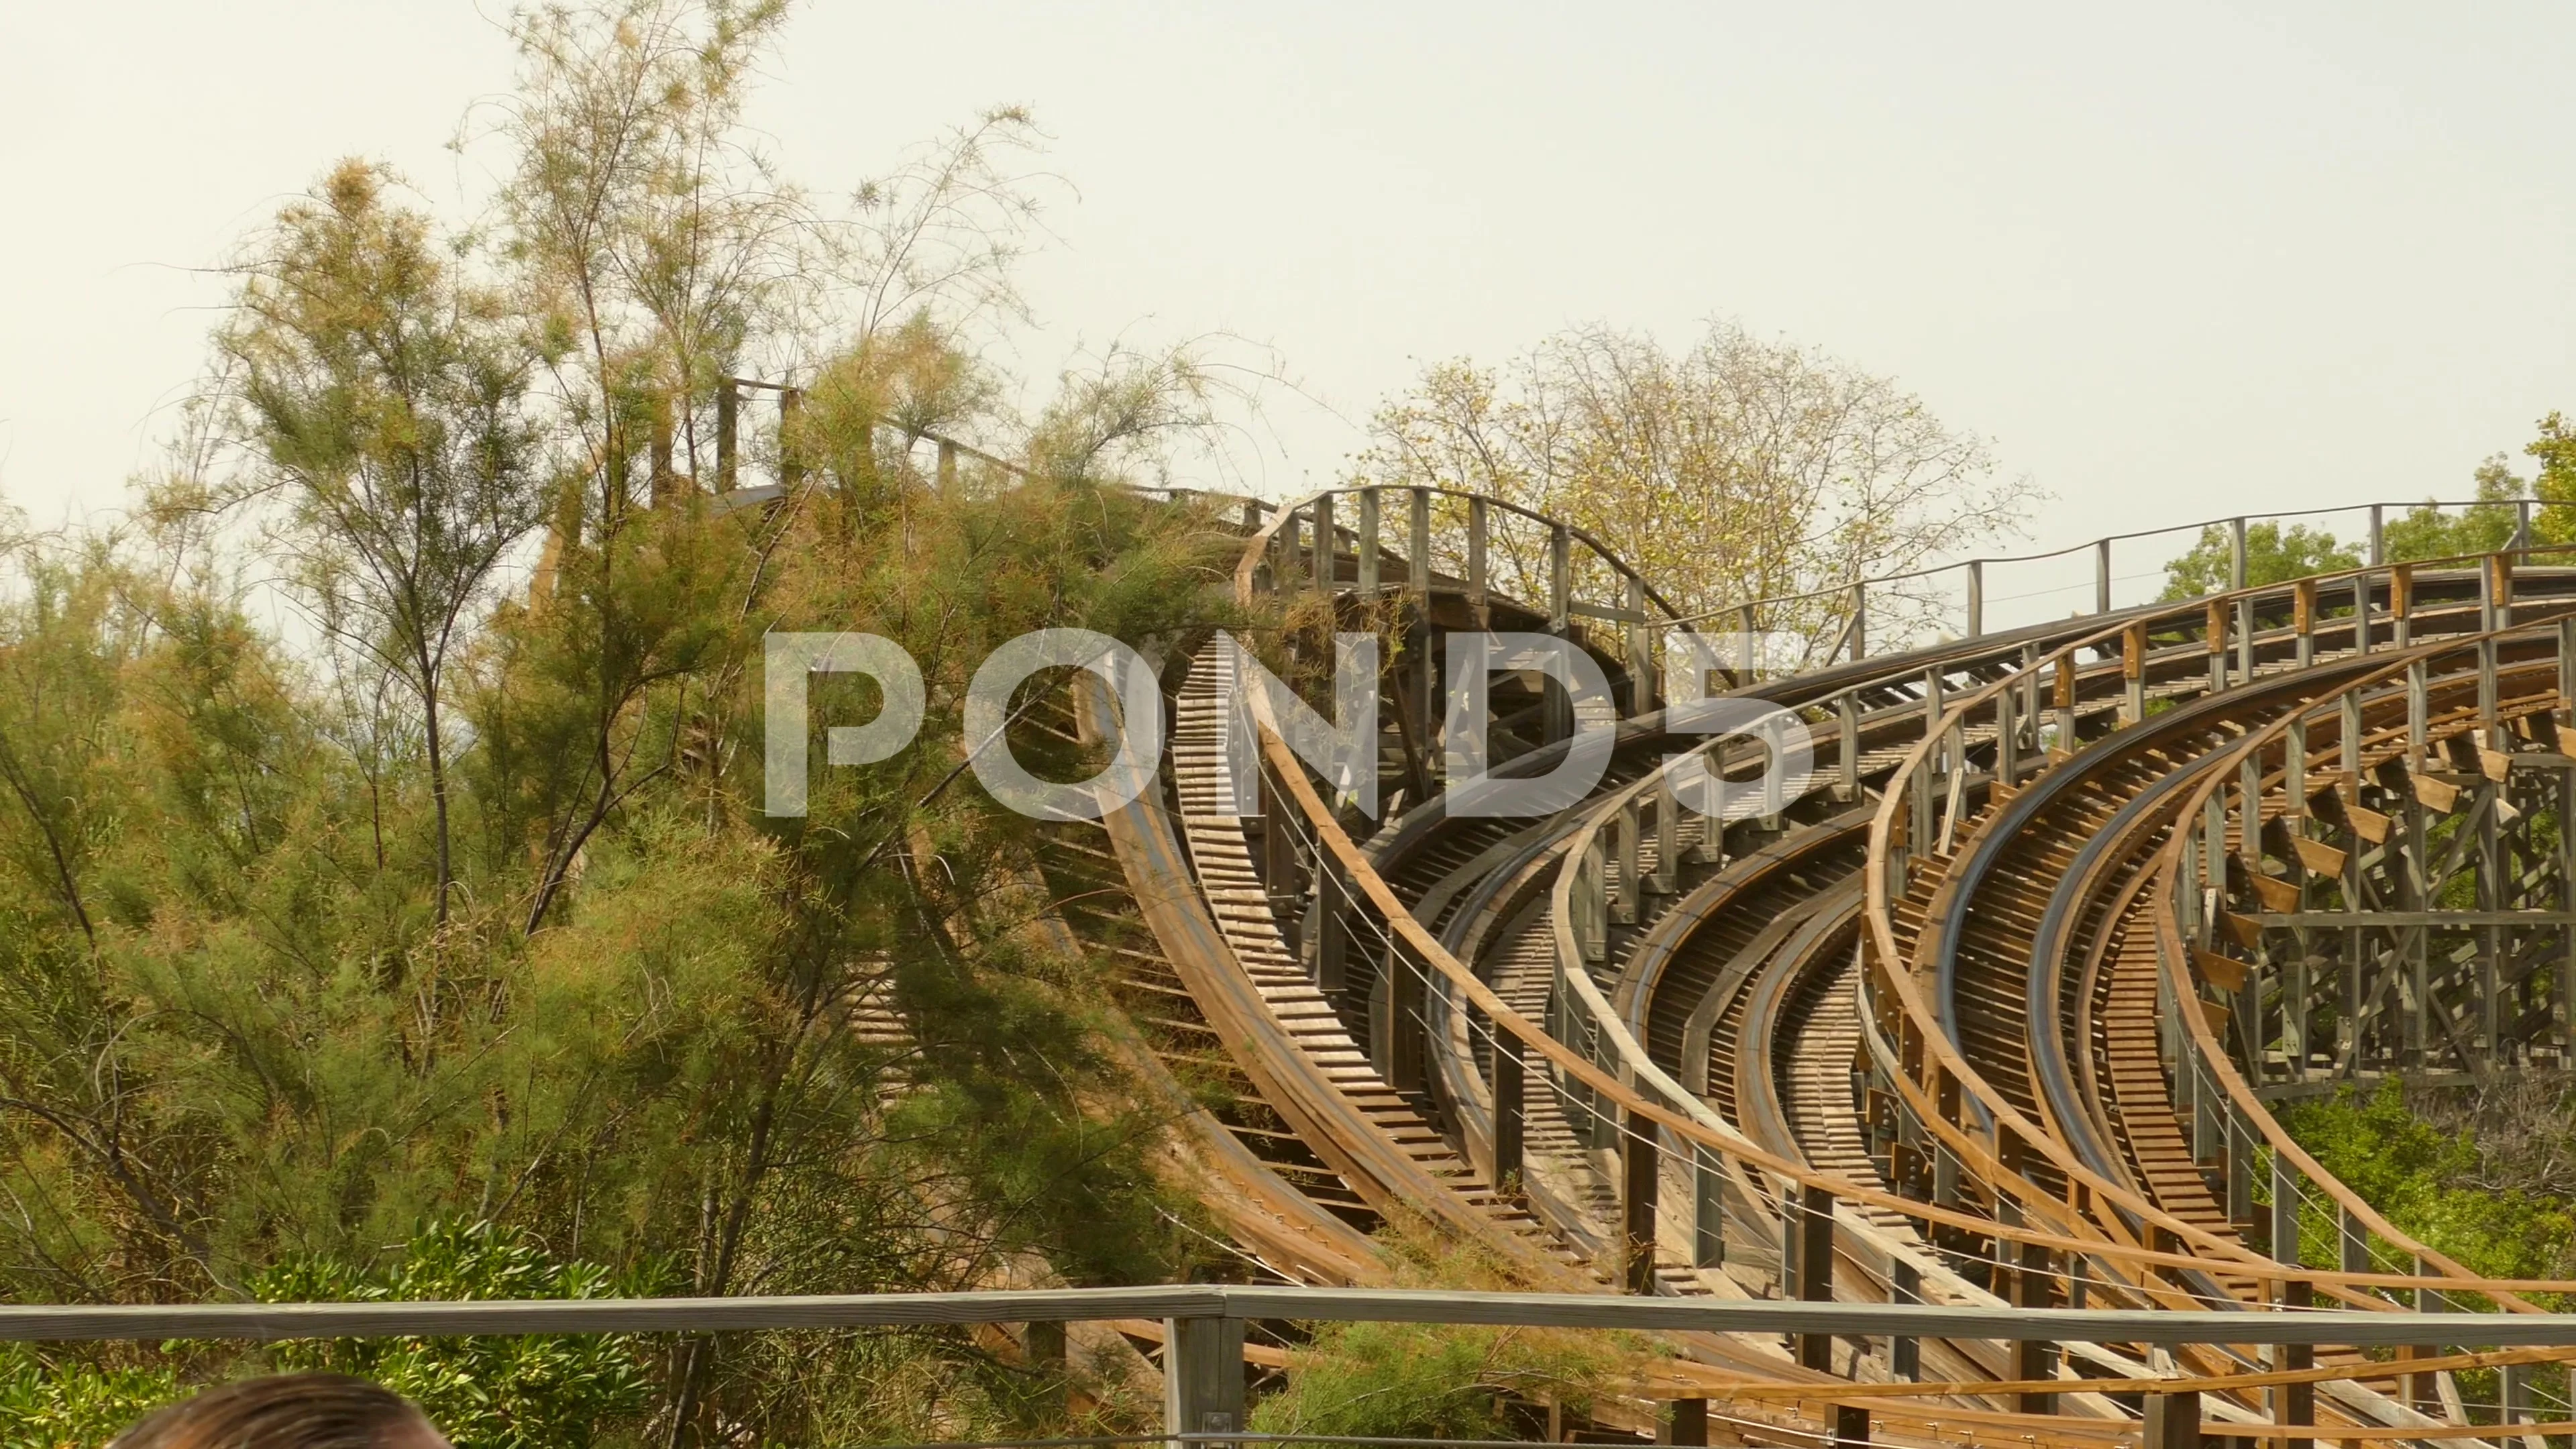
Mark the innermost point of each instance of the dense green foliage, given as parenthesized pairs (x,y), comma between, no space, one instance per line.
(52,1401)
(237,1034)
(2432,1182)
(2481,1176)
(453,902)
(490,1393)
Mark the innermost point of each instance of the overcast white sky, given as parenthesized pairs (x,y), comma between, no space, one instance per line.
(2176,263)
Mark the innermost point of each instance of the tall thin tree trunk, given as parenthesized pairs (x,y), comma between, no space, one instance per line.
(437,789)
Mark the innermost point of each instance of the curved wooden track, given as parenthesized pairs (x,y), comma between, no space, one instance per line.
(2002,989)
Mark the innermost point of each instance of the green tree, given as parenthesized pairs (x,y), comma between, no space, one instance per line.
(663,255)
(387,397)
(1735,470)
(244,1034)
(2483,527)
(2273,554)
(2554,446)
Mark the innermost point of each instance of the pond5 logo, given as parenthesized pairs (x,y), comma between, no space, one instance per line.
(1342,749)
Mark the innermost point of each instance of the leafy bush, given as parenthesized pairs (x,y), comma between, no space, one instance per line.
(1427,1381)
(486,1392)
(49,1402)
(2428,1183)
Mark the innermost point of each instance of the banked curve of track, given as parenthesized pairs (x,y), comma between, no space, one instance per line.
(1720,1042)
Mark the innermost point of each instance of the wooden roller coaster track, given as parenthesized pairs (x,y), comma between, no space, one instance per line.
(1989,1007)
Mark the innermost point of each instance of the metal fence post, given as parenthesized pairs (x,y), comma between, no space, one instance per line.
(2213,639)
(1202,1375)
(2007,739)
(1815,1269)
(2418,714)
(1642,1173)
(1905,1353)
(1847,746)
(2295,1403)
(2565,713)
(2240,1134)
(1625,828)
(2102,576)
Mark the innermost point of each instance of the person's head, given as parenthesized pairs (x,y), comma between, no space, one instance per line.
(287,1411)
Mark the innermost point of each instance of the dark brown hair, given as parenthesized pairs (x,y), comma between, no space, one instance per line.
(285,1411)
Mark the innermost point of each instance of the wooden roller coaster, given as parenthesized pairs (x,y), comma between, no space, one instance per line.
(1987,1003)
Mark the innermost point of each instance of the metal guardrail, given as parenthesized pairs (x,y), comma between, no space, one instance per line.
(1203,1334)
(1190,1302)
(1972,572)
